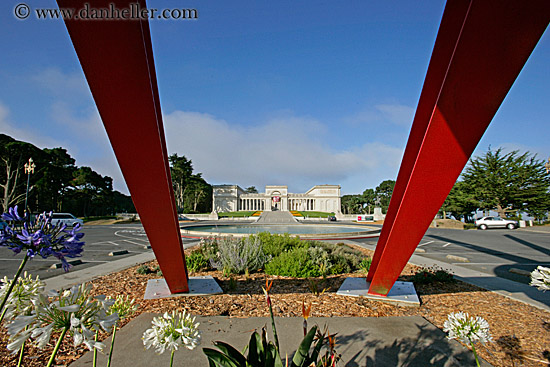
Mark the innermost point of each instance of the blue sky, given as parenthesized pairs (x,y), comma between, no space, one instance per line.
(258,93)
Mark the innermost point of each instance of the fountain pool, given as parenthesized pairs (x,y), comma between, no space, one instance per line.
(304,231)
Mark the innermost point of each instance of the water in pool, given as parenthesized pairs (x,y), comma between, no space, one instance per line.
(277,229)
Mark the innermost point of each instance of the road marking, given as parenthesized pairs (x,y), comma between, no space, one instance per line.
(447,244)
(136,239)
(103,243)
(425,243)
(134,243)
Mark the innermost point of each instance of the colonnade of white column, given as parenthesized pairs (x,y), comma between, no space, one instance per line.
(252,204)
(302,204)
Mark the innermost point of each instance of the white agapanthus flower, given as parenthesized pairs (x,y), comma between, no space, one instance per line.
(23,295)
(467,329)
(172,331)
(123,306)
(540,278)
(73,309)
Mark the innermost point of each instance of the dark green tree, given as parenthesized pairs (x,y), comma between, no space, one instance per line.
(193,194)
(352,204)
(368,199)
(55,179)
(13,180)
(181,170)
(91,193)
(508,183)
(251,190)
(460,203)
(383,193)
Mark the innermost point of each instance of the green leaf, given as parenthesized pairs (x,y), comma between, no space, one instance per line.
(255,350)
(231,352)
(217,358)
(301,356)
(317,348)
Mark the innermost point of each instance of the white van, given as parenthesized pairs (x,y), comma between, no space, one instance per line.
(66,218)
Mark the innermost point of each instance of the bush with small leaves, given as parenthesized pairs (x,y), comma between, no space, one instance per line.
(237,255)
(294,263)
(431,275)
(274,244)
(364,265)
(196,261)
(143,270)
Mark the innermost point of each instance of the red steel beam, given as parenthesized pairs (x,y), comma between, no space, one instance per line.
(117,59)
(492,44)
(449,30)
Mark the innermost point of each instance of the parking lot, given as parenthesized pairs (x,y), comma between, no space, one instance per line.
(101,240)
(510,254)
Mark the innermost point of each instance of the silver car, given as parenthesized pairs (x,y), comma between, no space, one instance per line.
(495,222)
(66,218)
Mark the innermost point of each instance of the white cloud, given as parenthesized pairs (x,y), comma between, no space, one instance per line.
(398,114)
(292,151)
(10,128)
(61,84)
(385,114)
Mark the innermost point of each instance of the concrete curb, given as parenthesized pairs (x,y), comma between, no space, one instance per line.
(71,278)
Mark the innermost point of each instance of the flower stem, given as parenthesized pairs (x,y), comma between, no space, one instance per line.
(21,354)
(57,345)
(475,353)
(3,314)
(172,357)
(94,358)
(21,266)
(112,346)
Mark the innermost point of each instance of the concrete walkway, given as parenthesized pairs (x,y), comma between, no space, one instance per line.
(385,341)
(276,217)
(508,288)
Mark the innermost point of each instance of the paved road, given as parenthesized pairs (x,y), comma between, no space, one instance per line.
(100,241)
(495,251)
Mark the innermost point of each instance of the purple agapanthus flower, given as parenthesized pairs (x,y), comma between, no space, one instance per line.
(40,237)
(13,215)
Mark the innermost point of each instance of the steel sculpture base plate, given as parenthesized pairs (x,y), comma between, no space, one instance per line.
(402,293)
(198,286)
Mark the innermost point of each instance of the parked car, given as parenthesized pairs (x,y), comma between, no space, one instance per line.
(495,222)
(66,218)
(332,218)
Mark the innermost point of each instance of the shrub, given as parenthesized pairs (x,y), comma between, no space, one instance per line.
(294,263)
(143,269)
(364,265)
(196,261)
(313,259)
(236,255)
(274,244)
(431,275)
(343,258)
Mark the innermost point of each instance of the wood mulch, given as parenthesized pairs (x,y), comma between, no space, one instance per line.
(521,332)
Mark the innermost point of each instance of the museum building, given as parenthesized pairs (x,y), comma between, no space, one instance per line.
(322,198)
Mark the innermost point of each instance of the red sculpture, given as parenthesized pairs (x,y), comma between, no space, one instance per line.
(117,59)
(480,49)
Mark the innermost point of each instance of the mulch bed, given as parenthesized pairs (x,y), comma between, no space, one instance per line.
(521,332)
